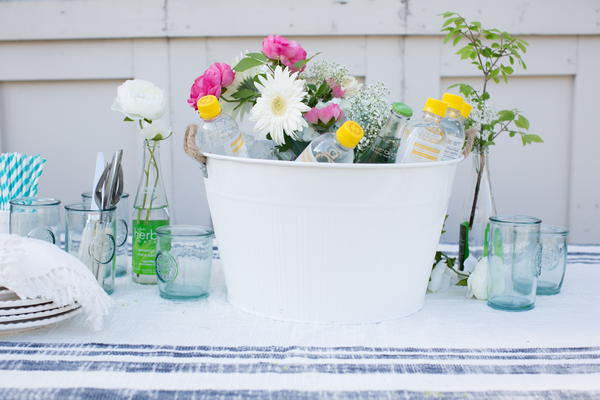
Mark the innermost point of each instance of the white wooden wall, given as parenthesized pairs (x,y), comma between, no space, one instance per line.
(61,61)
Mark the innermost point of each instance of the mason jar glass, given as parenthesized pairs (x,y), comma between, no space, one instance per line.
(37,218)
(514,262)
(90,236)
(123,224)
(554,259)
(184,261)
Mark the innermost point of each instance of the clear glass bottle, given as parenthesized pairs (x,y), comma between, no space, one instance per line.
(386,144)
(478,206)
(423,139)
(219,133)
(453,126)
(150,210)
(335,147)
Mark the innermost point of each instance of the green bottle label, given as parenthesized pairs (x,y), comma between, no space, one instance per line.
(144,245)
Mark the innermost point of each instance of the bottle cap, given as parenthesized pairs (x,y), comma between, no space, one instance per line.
(465,110)
(349,134)
(402,109)
(208,107)
(453,100)
(436,107)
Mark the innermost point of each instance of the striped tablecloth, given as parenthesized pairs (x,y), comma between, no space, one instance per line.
(454,349)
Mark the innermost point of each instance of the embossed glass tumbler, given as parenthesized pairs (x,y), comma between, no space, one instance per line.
(514,262)
(554,259)
(123,223)
(37,218)
(90,236)
(184,261)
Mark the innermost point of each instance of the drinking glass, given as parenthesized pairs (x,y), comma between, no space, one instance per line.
(123,218)
(514,262)
(554,259)
(90,236)
(184,260)
(37,218)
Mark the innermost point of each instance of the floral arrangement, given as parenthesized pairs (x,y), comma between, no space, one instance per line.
(290,101)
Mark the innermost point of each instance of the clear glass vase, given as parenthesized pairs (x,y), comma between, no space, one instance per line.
(478,206)
(150,211)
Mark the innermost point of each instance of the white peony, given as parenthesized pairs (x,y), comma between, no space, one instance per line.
(157,130)
(138,99)
(350,85)
(477,281)
(442,278)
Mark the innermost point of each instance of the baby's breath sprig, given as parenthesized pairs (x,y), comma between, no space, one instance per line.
(370,109)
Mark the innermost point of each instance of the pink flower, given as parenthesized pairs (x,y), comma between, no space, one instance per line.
(287,51)
(211,82)
(336,89)
(326,115)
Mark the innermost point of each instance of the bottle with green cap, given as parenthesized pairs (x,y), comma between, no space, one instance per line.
(385,146)
(453,125)
(335,147)
(424,139)
(219,133)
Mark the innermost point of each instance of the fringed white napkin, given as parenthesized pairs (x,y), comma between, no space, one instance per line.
(33,268)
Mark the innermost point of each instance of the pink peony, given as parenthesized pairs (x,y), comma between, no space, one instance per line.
(325,115)
(287,51)
(336,89)
(211,82)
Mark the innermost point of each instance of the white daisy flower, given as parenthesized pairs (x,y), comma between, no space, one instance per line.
(279,108)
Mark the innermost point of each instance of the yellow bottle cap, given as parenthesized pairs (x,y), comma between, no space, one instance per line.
(436,107)
(208,107)
(465,110)
(453,100)
(349,134)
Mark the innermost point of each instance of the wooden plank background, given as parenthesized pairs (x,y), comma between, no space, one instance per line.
(61,61)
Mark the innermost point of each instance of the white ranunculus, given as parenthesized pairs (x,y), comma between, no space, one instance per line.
(442,278)
(350,85)
(477,281)
(139,99)
(157,130)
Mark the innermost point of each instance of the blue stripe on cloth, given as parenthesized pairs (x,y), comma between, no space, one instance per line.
(295,354)
(110,394)
(271,349)
(280,368)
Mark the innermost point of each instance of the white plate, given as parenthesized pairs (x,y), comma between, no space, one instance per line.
(27,310)
(18,327)
(6,304)
(36,315)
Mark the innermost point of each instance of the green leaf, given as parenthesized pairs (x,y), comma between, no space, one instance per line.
(244,94)
(148,120)
(485,96)
(258,56)
(447,14)
(300,64)
(127,119)
(530,138)
(456,40)
(246,64)
(462,282)
(522,122)
(506,115)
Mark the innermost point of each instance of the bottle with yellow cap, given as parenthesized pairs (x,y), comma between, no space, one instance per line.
(453,125)
(424,139)
(219,133)
(335,147)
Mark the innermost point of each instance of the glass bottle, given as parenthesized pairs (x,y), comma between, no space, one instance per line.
(150,210)
(478,206)
(218,132)
(386,144)
(424,140)
(453,126)
(334,147)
